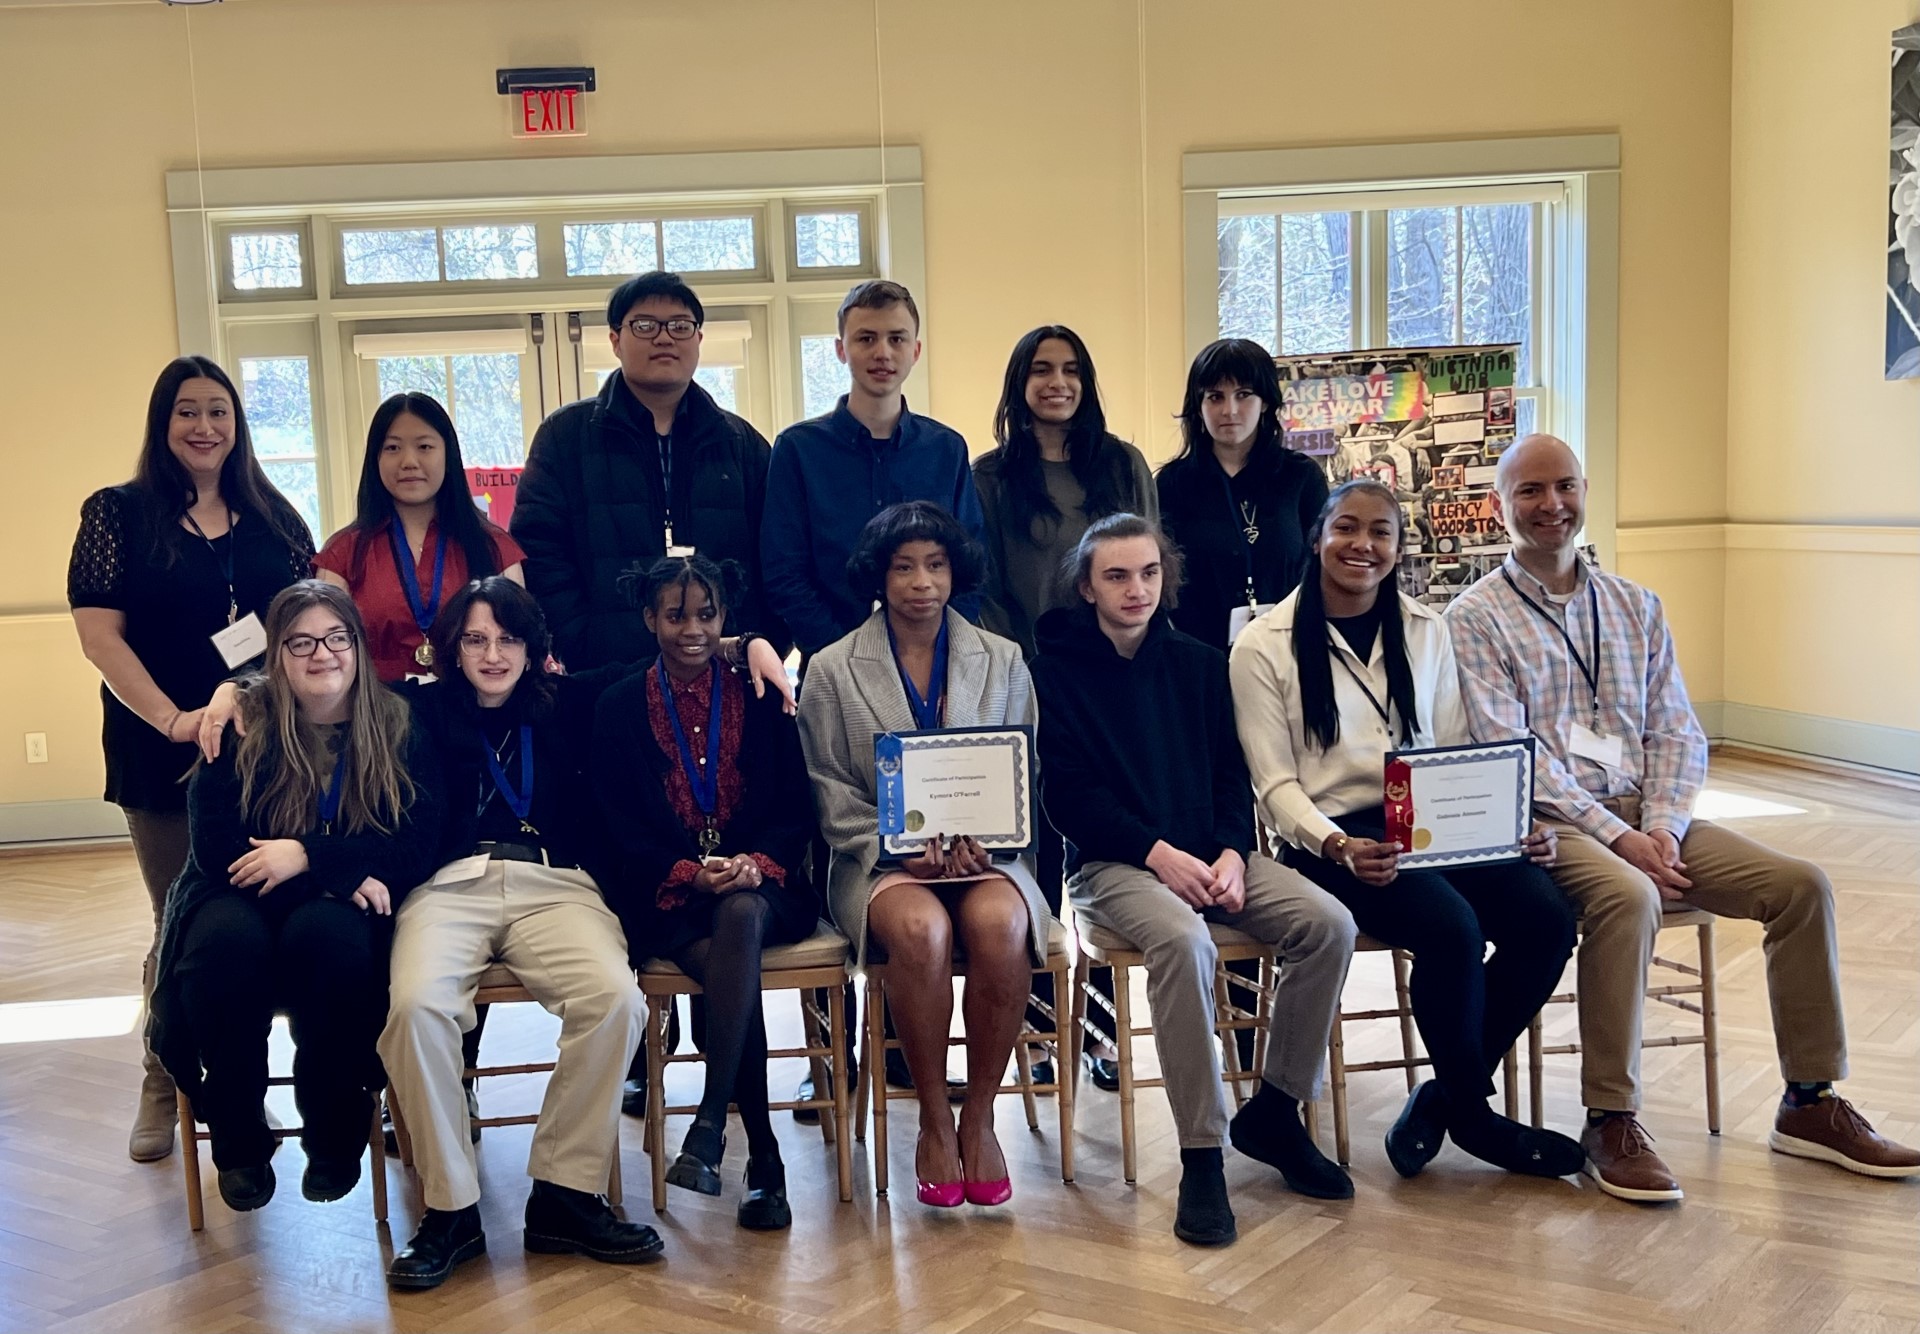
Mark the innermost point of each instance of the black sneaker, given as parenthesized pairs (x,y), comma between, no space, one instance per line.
(1416,1137)
(765,1207)
(1268,1128)
(328,1179)
(447,1238)
(572,1222)
(1203,1216)
(246,1188)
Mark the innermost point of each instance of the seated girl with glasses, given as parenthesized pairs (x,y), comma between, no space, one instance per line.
(704,794)
(307,833)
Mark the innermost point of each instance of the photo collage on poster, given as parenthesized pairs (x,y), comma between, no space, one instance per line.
(1427,423)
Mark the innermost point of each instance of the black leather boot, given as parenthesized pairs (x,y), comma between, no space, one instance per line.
(561,1221)
(446,1238)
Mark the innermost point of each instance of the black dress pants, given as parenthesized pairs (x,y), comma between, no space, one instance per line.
(1469,1012)
(323,962)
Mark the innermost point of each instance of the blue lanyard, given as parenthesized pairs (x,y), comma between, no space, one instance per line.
(520,802)
(410,579)
(926,708)
(703,775)
(330,799)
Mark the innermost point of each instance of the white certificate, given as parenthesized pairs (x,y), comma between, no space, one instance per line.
(976,781)
(1460,805)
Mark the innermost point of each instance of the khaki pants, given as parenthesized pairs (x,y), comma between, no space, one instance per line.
(1732,877)
(556,933)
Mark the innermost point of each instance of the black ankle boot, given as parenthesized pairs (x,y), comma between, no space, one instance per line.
(246,1188)
(765,1207)
(698,1166)
(1493,1138)
(328,1179)
(1203,1216)
(1268,1128)
(1416,1137)
(561,1221)
(447,1238)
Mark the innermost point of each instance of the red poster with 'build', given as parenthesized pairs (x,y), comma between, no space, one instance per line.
(493,490)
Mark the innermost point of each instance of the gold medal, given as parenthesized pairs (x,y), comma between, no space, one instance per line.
(709,841)
(424,654)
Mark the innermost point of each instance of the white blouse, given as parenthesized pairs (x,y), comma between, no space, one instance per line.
(1298,786)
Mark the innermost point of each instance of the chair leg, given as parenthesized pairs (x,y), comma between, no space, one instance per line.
(1123,1036)
(1337,1081)
(1510,1081)
(1076,1035)
(402,1137)
(190,1165)
(1063,1055)
(837,1042)
(1263,1013)
(820,1067)
(1402,997)
(1224,1012)
(1536,1076)
(1023,1075)
(876,1073)
(377,1165)
(656,1130)
(1710,1026)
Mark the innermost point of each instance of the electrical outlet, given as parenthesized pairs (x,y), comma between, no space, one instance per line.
(36,748)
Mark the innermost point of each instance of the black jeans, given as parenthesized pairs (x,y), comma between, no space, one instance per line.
(1469,1012)
(322,962)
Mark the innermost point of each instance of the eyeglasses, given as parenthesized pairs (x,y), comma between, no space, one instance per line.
(679,328)
(477,645)
(303,646)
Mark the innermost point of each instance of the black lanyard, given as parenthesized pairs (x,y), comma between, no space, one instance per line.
(665,445)
(1592,673)
(226,563)
(1237,518)
(1378,707)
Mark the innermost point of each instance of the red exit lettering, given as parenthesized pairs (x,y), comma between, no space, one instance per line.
(550,111)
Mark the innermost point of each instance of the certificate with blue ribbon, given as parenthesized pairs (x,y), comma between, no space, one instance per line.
(953,781)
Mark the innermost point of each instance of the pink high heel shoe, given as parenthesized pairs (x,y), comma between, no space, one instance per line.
(944,1194)
(990,1192)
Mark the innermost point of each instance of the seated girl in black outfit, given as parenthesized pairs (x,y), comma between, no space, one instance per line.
(305,836)
(706,800)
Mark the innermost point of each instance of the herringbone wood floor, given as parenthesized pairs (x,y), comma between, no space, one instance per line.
(90,1241)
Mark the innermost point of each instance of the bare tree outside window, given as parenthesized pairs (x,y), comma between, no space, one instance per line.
(264,260)
(1316,283)
(1423,284)
(722,382)
(827,240)
(823,375)
(1249,265)
(390,255)
(708,245)
(596,249)
(480,390)
(1496,298)
(490,252)
(278,394)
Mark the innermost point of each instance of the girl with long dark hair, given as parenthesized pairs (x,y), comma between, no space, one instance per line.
(1325,685)
(307,832)
(416,534)
(1235,498)
(194,547)
(704,792)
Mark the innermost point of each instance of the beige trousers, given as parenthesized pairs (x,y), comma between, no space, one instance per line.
(1732,876)
(556,933)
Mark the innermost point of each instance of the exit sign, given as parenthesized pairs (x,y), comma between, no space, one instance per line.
(548,113)
(546,102)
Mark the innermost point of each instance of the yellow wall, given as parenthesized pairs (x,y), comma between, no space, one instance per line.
(1816,436)
(1032,118)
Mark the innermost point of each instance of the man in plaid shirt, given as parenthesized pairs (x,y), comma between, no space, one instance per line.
(1584,662)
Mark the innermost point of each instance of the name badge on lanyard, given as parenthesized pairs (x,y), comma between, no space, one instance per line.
(1589,743)
(244,638)
(666,494)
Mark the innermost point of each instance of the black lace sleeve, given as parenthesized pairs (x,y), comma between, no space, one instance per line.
(97,570)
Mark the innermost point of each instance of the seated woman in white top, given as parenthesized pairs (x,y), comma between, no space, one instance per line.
(1343,671)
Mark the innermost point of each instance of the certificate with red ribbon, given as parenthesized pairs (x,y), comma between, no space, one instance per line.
(1460,805)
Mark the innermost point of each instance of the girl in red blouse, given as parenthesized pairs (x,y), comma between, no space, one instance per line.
(416,535)
(708,812)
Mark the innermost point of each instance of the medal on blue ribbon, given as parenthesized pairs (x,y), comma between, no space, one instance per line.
(702,771)
(520,800)
(403,565)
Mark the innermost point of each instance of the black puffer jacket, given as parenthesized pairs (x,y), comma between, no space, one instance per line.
(590,506)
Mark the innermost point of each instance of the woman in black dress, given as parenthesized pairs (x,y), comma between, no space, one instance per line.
(705,795)
(307,834)
(169,576)
(1236,499)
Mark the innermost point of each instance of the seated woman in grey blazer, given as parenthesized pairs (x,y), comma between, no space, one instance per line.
(914,665)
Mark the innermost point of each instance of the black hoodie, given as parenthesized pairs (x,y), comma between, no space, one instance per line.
(1134,751)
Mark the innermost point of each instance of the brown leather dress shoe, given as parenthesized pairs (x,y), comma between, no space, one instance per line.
(1830,1130)
(1621,1160)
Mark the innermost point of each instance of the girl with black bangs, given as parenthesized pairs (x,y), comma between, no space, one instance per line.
(1344,671)
(1235,498)
(704,793)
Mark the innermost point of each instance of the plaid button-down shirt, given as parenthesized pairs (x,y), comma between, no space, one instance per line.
(1518,677)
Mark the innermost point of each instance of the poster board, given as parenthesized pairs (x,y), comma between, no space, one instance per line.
(1427,423)
(493,491)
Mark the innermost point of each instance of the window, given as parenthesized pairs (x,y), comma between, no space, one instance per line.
(393,255)
(265,260)
(481,390)
(1302,278)
(833,238)
(485,252)
(478,253)
(596,249)
(278,394)
(824,377)
(709,245)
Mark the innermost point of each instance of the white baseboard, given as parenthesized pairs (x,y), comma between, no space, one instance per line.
(1895,748)
(60,821)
